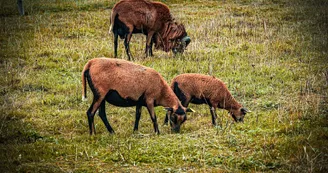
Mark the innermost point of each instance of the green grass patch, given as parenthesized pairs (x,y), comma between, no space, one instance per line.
(272,55)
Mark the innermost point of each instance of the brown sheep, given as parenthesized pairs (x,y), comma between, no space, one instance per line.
(203,89)
(150,18)
(125,84)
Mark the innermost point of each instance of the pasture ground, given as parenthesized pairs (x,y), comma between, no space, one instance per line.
(271,54)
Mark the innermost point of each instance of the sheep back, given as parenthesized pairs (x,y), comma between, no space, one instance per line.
(128,79)
(144,15)
(204,86)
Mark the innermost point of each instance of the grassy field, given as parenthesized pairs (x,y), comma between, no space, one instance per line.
(271,54)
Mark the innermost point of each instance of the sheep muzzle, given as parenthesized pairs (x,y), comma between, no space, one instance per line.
(237,119)
(181,45)
(185,41)
(176,129)
(176,121)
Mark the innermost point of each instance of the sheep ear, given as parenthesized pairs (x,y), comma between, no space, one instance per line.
(245,110)
(168,109)
(190,110)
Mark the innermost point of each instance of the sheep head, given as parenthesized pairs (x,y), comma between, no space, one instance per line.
(177,117)
(181,44)
(239,114)
(173,37)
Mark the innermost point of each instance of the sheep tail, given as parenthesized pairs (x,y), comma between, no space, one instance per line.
(84,89)
(112,21)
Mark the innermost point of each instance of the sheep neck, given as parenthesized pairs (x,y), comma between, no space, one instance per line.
(230,103)
(169,99)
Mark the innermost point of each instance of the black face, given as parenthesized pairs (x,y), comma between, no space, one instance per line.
(180,45)
(176,121)
(237,119)
(178,48)
(238,115)
(177,118)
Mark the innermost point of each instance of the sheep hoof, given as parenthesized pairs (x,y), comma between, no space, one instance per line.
(84,99)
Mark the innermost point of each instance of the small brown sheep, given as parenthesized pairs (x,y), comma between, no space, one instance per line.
(125,84)
(204,89)
(154,20)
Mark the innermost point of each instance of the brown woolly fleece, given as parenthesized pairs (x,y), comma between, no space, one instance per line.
(130,81)
(150,18)
(141,14)
(204,89)
(137,85)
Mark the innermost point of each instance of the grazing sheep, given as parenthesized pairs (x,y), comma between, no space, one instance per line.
(125,84)
(203,89)
(154,20)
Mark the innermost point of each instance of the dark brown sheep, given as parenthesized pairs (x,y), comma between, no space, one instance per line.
(203,89)
(150,18)
(125,84)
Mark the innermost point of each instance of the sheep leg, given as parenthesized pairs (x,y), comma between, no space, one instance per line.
(166,120)
(91,113)
(138,115)
(115,44)
(91,123)
(149,43)
(91,120)
(126,44)
(214,116)
(150,49)
(102,114)
(152,114)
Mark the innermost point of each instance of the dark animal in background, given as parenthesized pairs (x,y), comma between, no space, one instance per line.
(154,20)
(20,7)
(125,84)
(204,89)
